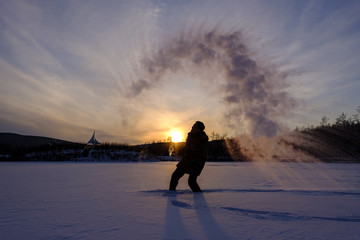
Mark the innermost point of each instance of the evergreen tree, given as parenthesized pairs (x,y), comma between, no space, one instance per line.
(341,120)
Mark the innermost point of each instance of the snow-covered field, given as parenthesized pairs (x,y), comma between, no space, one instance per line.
(130,201)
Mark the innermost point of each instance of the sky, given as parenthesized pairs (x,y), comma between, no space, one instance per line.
(135,70)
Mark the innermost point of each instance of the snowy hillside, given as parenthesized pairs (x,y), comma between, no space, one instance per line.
(130,201)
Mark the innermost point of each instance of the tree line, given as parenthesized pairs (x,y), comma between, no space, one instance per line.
(329,142)
(333,142)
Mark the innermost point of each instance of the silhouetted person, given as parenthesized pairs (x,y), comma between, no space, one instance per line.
(194,158)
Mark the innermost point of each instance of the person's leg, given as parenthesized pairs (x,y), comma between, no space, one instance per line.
(177,174)
(193,184)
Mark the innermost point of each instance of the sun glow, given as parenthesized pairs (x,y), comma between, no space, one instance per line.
(176,135)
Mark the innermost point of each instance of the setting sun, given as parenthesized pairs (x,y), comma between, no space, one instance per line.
(176,135)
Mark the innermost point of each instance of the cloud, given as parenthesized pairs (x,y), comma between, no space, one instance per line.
(74,64)
(65,66)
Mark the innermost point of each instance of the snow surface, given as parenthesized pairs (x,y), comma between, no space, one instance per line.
(129,201)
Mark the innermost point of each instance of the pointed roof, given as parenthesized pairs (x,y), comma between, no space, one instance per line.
(93,140)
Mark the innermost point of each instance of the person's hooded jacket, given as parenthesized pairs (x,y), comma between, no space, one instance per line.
(195,153)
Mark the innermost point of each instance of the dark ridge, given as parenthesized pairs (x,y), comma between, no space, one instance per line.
(13,140)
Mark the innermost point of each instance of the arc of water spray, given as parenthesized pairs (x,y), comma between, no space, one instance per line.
(254,95)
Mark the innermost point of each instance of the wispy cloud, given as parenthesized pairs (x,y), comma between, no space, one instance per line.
(69,72)
(68,68)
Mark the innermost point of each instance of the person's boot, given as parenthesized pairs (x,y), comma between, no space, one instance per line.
(193,184)
(173,184)
(196,188)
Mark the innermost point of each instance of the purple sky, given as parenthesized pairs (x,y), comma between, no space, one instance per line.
(71,67)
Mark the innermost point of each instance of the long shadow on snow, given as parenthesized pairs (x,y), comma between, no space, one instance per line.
(302,192)
(283,216)
(174,225)
(210,226)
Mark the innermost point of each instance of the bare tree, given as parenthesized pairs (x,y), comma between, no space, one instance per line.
(356,117)
(324,121)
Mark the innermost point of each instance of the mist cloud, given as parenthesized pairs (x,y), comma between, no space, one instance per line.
(255,95)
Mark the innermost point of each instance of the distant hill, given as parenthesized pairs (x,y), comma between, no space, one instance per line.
(13,140)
